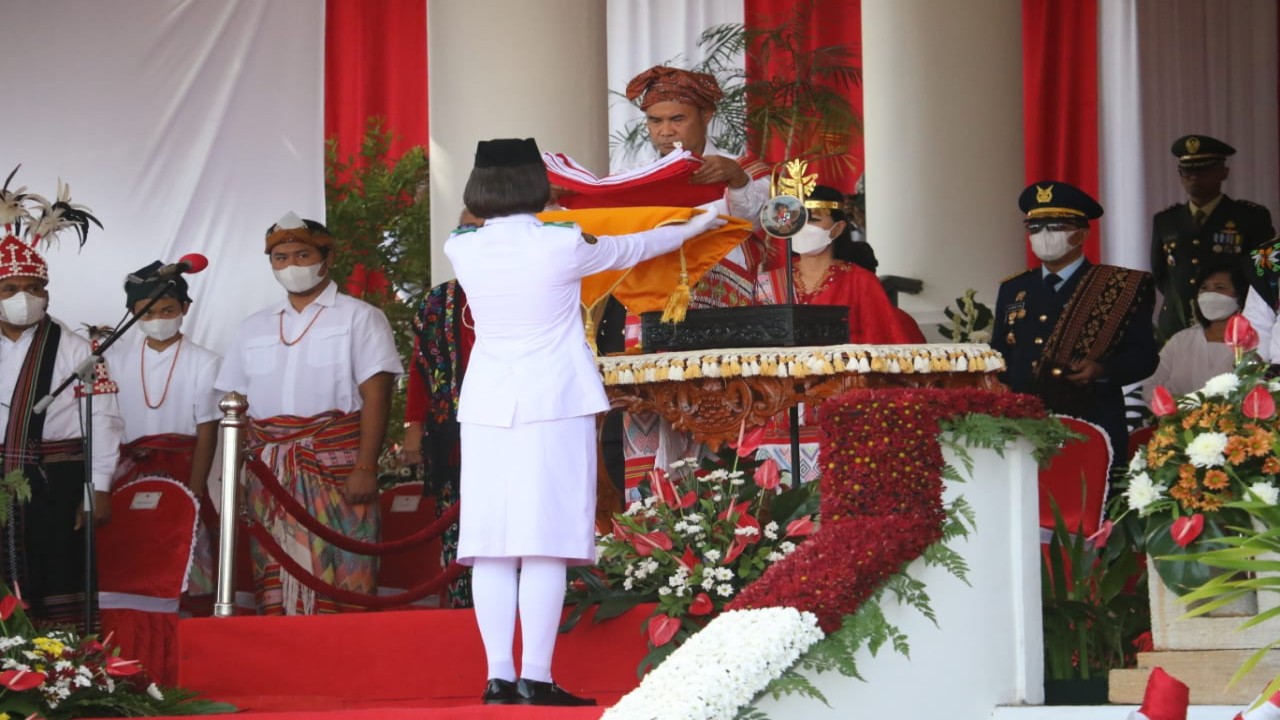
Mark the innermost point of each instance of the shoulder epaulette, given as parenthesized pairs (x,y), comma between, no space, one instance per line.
(1018,274)
(1247,203)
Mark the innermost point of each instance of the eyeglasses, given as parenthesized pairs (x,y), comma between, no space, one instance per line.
(1039,226)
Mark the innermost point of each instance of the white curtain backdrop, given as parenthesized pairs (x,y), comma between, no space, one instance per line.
(644,33)
(187,126)
(1206,67)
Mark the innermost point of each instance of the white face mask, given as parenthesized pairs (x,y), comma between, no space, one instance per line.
(811,240)
(1049,245)
(161,329)
(23,309)
(1216,306)
(299,278)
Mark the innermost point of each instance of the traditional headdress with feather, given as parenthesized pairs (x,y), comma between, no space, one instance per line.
(31,221)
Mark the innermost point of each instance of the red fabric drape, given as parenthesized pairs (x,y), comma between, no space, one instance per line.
(375,63)
(834,22)
(1060,97)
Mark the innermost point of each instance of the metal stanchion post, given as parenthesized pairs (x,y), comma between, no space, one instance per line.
(234,407)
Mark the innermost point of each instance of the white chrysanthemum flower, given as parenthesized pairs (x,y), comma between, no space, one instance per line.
(692,518)
(1265,492)
(746,531)
(1139,461)
(725,590)
(1273,385)
(787,547)
(154,692)
(771,530)
(1220,385)
(664,591)
(1142,491)
(774,556)
(628,584)
(708,581)
(712,555)
(723,573)
(1205,450)
(677,464)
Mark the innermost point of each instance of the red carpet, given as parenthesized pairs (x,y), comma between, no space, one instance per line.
(395,665)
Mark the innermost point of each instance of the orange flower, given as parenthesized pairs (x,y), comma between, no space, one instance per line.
(1271,465)
(1260,442)
(1216,480)
(1226,424)
(1237,450)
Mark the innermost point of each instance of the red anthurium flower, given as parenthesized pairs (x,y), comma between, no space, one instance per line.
(1099,538)
(689,499)
(661,629)
(1250,341)
(800,527)
(735,549)
(7,605)
(1237,332)
(1186,529)
(701,605)
(750,441)
(1259,404)
(689,560)
(1162,402)
(645,543)
(768,476)
(739,509)
(1144,643)
(745,520)
(662,487)
(119,667)
(19,680)
(620,531)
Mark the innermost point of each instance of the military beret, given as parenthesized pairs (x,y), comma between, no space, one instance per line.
(1054,199)
(1200,151)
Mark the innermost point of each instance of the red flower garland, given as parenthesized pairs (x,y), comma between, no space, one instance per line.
(881,496)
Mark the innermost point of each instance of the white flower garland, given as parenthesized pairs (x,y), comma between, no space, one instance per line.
(799,362)
(722,667)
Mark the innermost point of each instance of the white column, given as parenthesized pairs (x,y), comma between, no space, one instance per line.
(942,88)
(511,68)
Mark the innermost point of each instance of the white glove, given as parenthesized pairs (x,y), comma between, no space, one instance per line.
(704,222)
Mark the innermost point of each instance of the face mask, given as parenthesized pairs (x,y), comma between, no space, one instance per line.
(1216,306)
(23,309)
(299,278)
(161,329)
(1049,245)
(811,240)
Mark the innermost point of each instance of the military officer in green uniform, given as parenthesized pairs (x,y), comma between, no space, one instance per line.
(1208,227)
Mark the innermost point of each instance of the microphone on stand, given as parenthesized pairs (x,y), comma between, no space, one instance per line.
(188,264)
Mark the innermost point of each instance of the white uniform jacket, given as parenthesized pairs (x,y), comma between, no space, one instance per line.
(522,278)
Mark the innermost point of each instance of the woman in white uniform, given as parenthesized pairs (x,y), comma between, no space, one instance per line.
(528,407)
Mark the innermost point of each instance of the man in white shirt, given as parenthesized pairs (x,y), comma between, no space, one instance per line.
(168,402)
(43,544)
(318,370)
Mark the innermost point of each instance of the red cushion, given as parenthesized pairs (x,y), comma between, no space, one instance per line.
(1076,479)
(146,548)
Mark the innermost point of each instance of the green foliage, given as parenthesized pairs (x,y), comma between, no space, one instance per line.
(377,209)
(970,321)
(1090,622)
(14,489)
(1247,555)
(806,108)
(1046,436)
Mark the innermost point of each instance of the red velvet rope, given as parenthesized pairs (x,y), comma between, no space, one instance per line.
(377,602)
(295,509)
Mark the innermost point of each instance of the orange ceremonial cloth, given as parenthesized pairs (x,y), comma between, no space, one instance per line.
(646,287)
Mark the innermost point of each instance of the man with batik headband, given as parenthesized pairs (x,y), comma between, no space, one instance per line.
(167,399)
(1207,228)
(43,544)
(678,107)
(318,370)
(1072,332)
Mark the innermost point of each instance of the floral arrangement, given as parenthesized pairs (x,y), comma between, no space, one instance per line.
(700,533)
(970,322)
(55,674)
(1210,447)
(882,508)
(747,649)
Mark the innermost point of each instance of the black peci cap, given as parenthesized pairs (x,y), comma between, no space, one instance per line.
(508,152)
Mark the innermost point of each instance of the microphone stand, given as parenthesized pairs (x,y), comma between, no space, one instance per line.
(794,410)
(84,372)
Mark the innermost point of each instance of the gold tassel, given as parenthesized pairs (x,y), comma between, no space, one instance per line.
(678,302)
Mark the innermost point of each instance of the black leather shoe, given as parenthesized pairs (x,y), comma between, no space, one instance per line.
(533,692)
(499,692)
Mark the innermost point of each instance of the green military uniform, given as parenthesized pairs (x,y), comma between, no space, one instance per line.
(1182,243)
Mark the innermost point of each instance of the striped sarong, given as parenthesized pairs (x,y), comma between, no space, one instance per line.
(311,457)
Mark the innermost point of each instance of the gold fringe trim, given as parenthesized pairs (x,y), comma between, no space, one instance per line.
(678,303)
(799,362)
